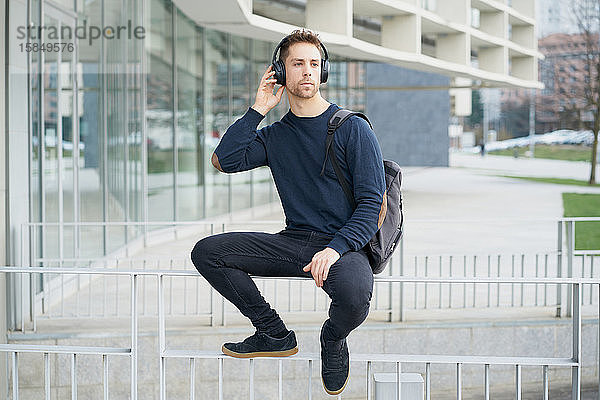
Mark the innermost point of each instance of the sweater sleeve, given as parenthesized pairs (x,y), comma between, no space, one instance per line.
(242,147)
(365,164)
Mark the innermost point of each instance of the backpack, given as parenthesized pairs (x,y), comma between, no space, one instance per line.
(381,246)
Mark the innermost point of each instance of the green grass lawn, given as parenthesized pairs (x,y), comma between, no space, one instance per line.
(587,234)
(567,152)
(557,181)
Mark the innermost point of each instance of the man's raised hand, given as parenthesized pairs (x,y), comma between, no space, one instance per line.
(265,99)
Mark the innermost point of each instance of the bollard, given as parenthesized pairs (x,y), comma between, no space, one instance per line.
(386,386)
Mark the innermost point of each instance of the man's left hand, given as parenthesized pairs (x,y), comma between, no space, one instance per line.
(320,264)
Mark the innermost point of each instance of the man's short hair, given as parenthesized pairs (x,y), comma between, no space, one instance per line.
(299,36)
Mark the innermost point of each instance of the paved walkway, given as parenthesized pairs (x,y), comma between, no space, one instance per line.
(468,208)
(484,212)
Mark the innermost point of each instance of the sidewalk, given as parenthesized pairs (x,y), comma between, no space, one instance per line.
(504,165)
(467,208)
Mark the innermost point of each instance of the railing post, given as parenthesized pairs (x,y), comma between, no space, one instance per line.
(134,336)
(486,389)
(570,250)
(390,292)
(24,262)
(161,338)
(398,380)
(15,375)
(559,254)
(369,373)
(401,291)
(576,370)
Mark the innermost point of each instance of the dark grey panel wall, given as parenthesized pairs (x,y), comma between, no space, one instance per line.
(411,126)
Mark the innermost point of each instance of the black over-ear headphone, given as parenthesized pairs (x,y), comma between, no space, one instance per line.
(279,65)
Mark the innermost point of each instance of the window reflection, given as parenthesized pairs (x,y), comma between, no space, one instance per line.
(197,83)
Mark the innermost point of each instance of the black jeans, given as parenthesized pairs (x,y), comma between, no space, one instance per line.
(226,260)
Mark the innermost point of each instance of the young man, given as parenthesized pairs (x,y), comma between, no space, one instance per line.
(324,236)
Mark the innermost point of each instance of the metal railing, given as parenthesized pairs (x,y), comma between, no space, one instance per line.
(55,297)
(574,362)
(14,348)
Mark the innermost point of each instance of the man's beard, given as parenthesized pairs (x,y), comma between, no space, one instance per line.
(297,91)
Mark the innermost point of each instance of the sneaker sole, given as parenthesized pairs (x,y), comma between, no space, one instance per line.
(283,353)
(335,392)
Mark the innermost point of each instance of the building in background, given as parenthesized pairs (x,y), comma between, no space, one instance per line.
(560,105)
(554,16)
(114,133)
(564,72)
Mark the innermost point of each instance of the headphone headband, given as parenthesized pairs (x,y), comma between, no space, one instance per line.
(285,39)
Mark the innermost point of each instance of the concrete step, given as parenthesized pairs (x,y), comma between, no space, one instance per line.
(536,338)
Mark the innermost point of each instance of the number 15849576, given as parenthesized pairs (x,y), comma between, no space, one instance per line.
(54,47)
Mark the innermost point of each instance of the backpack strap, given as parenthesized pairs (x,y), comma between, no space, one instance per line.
(336,120)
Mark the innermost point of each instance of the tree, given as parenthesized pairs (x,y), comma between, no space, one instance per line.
(515,115)
(476,116)
(585,96)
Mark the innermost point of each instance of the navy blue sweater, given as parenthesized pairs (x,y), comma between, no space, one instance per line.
(294,149)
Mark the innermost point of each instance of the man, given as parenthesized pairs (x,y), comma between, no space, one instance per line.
(324,235)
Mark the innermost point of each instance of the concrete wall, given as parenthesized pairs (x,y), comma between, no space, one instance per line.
(411,125)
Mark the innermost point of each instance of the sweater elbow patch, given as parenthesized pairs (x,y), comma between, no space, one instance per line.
(215,162)
(382,210)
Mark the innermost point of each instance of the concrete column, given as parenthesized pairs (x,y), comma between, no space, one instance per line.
(333,16)
(402,32)
(454,48)
(3,196)
(17,146)
(461,98)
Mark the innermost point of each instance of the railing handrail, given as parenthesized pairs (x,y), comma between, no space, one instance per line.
(280,222)
(57,349)
(155,223)
(395,357)
(386,278)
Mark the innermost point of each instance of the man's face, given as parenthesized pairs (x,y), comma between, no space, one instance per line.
(303,70)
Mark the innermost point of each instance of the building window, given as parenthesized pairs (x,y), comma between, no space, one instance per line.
(475,18)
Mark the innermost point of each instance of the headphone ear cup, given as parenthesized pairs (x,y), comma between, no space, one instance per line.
(324,70)
(279,69)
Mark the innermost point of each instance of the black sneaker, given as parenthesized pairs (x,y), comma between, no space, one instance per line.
(335,365)
(262,345)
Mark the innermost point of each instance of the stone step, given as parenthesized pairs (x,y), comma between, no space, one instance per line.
(493,342)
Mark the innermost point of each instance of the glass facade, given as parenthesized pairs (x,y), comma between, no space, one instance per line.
(122,129)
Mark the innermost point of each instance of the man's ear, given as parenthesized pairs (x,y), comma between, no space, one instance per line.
(215,162)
